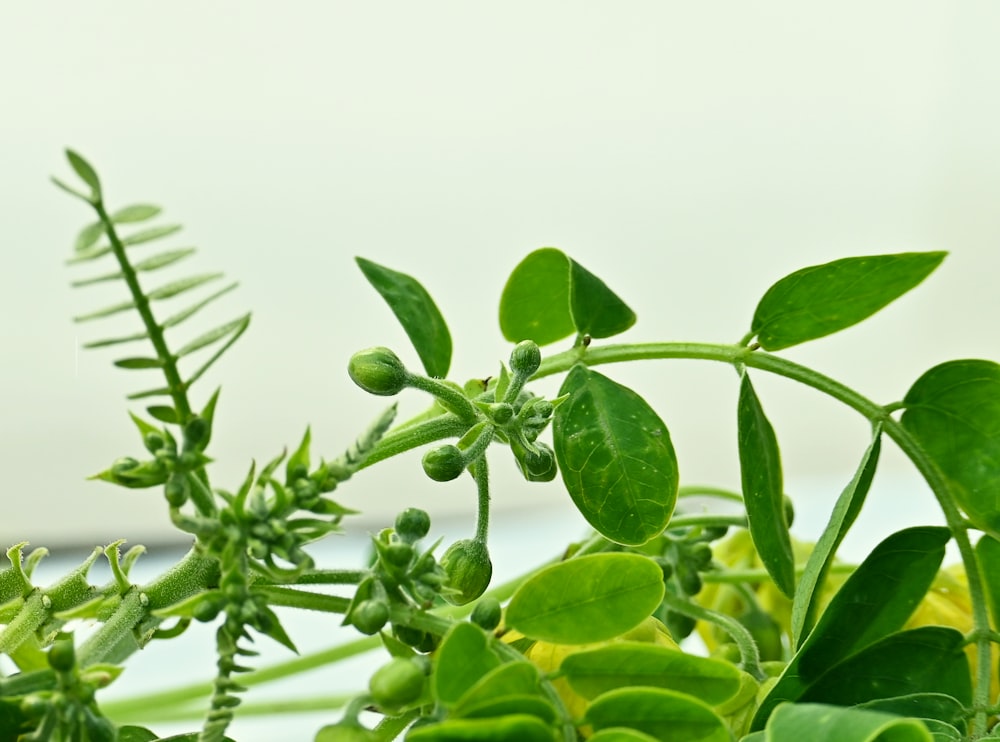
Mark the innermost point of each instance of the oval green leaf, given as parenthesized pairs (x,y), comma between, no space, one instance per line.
(936,706)
(821,723)
(620,734)
(463,658)
(510,679)
(416,312)
(624,664)
(135,213)
(86,172)
(953,410)
(824,299)
(662,714)
(511,728)
(597,310)
(845,511)
(616,458)
(763,496)
(589,599)
(535,302)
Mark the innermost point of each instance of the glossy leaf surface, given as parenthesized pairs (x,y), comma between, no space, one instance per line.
(935,706)
(845,511)
(953,410)
(662,714)
(616,458)
(885,588)
(417,313)
(623,664)
(821,723)
(988,554)
(824,299)
(535,303)
(597,310)
(620,734)
(462,659)
(588,599)
(763,495)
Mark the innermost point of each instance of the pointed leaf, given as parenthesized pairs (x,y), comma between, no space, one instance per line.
(164,414)
(953,411)
(70,189)
(535,304)
(886,588)
(86,173)
(89,236)
(416,312)
(824,299)
(626,664)
(106,312)
(213,335)
(163,259)
(176,319)
(139,363)
(805,604)
(924,706)
(153,233)
(185,284)
(218,353)
(117,341)
(462,659)
(587,599)
(662,714)
(597,310)
(988,554)
(763,496)
(162,391)
(616,458)
(299,458)
(820,723)
(135,213)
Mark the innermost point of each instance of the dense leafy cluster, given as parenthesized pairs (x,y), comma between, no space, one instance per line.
(585,646)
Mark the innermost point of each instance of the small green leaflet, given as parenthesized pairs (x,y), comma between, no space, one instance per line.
(616,458)
(953,411)
(662,714)
(416,312)
(588,599)
(760,469)
(549,296)
(823,299)
(461,660)
(86,172)
(820,723)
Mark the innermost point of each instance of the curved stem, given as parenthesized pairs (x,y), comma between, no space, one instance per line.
(750,357)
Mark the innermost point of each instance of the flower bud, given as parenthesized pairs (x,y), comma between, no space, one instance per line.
(469,570)
(444,463)
(525,358)
(378,371)
(396,684)
(413,524)
(486,614)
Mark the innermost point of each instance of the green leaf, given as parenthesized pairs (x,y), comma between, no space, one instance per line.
(846,510)
(176,319)
(616,458)
(500,706)
(885,588)
(164,414)
(925,706)
(135,213)
(135,734)
(988,555)
(819,723)
(535,303)
(624,664)
(153,233)
(463,657)
(517,679)
(237,325)
(510,728)
(139,363)
(662,714)
(86,172)
(163,259)
(824,299)
(117,341)
(763,495)
(587,599)
(597,310)
(184,284)
(89,236)
(620,734)
(416,312)
(928,659)
(953,411)
(106,311)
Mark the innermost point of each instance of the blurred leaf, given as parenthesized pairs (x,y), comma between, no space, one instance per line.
(988,554)
(620,734)
(804,606)
(134,363)
(953,411)
(176,319)
(240,324)
(824,299)
(587,599)
(148,235)
(597,311)
(164,414)
(416,312)
(616,458)
(89,236)
(135,734)
(818,723)
(86,173)
(885,588)
(163,259)
(625,664)
(116,341)
(662,714)
(135,213)
(184,284)
(763,494)
(922,706)
(535,303)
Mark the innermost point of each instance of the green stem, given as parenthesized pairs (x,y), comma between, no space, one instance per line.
(303,599)
(749,357)
(701,490)
(454,400)
(392,726)
(483,506)
(735,576)
(708,521)
(410,436)
(332,577)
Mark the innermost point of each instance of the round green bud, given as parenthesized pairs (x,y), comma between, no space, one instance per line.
(409,636)
(789,510)
(486,614)
(207,608)
(700,555)
(176,489)
(468,568)
(690,581)
(378,371)
(413,524)
(153,442)
(501,412)
(62,655)
(525,358)
(196,431)
(369,616)
(398,554)
(396,684)
(444,463)
(539,465)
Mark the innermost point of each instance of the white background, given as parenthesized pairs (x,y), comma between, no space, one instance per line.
(689,153)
